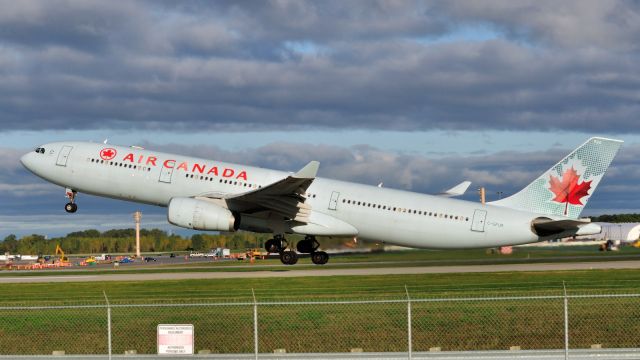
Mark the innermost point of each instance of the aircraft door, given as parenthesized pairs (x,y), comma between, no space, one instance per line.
(479,217)
(333,203)
(165,174)
(64,155)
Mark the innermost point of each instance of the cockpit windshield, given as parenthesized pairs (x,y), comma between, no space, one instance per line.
(40,150)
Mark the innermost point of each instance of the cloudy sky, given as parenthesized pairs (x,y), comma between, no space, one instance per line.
(420,95)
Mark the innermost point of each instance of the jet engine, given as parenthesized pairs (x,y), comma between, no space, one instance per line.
(201,215)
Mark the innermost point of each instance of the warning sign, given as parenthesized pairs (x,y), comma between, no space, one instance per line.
(175,339)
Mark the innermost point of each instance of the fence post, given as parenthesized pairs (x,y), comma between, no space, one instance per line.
(108,323)
(409,337)
(255,324)
(566,322)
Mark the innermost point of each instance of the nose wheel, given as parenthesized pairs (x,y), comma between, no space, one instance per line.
(71,206)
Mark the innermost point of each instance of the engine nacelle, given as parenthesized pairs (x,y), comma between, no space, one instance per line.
(201,215)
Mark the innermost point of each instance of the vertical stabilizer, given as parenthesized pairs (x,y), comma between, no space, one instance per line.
(565,189)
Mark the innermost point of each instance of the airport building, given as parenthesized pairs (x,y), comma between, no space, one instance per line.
(624,232)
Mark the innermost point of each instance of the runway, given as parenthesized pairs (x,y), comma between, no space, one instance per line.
(292,272)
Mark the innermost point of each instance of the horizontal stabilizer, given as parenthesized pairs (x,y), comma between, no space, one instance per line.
(548,227)
(457,190)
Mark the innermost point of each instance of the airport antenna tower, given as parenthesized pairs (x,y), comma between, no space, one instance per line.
(137,216)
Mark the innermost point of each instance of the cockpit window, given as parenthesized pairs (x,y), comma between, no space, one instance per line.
(40,150)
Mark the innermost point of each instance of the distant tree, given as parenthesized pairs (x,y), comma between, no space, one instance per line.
(197,242)
(10,243)
(617,218)
(119,233)
(91,233)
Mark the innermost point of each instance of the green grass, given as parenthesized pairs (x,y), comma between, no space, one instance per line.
(318,288)
(462,324)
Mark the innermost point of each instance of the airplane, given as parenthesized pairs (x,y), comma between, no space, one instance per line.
(210,195)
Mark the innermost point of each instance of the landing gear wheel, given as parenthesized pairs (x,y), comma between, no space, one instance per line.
(319,257)
(271,246)
(289,257)
(71,207)
(276,245)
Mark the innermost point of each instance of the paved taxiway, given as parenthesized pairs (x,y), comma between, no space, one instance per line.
(292,272)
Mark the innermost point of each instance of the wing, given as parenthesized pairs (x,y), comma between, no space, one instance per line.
(285,197)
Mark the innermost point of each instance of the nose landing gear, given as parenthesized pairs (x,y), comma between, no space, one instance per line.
(71,206)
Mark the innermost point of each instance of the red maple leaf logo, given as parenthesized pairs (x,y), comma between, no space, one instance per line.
(567,190)
(108,153)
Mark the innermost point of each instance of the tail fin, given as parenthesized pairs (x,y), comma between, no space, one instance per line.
(565,189)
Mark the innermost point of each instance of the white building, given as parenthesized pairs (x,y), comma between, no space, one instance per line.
(625,232)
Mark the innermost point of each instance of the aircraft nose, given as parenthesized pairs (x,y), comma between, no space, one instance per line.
(27,160)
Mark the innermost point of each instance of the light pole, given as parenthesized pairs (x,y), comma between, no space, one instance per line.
(137,216)
(481,192)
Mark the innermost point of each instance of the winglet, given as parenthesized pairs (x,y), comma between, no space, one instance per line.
(457,190)
(309,171)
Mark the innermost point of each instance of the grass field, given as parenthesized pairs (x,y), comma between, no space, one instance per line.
(465,322)
(461,323)
(331,288)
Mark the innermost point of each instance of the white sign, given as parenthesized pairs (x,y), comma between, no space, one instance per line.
(175,339)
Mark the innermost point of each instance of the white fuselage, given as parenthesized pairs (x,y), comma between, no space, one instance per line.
(379,214)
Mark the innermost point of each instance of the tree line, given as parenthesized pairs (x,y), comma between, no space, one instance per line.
(617,218)
(154,240)
(123,241)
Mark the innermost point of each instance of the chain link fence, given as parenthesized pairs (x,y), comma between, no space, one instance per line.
(389,325)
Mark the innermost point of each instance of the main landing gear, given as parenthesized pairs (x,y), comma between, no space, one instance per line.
(279,245)
(310,246)
(289,257)
(71,206)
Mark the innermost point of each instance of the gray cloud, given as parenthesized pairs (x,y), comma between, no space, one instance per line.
(331,64)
